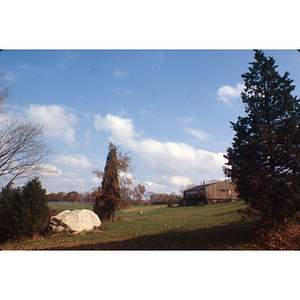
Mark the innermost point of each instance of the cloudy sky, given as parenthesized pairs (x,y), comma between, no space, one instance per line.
(170,109)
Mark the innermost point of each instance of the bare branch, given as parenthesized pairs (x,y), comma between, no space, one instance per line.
(23,149)
(4,93)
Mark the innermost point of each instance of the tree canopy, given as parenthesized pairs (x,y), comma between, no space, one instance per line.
(23,211)
(108,197)
(264,160)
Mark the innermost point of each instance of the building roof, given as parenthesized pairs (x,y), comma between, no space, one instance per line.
(197,187)
(203,186)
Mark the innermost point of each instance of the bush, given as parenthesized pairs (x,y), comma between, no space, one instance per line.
(99,211)
(170,203)
(23,211)
(181,202)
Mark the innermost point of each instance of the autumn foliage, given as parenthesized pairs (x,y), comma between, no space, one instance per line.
(109,197)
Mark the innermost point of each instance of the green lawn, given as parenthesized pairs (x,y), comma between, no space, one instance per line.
(62,207)
(218,226)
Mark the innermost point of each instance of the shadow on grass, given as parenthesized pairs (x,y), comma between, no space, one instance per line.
(232,236)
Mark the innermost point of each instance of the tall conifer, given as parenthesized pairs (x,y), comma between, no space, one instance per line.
(108,199)
(264,160)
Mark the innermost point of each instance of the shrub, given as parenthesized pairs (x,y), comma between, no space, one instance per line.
(23,210)
(181,202)
(101,212)
(170,202)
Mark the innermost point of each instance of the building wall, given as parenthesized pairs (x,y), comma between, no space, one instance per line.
(221,191)
(215,193)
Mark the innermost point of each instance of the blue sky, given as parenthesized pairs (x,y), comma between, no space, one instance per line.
(170,109)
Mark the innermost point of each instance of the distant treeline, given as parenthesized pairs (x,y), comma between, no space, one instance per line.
(164,198)
(87,197)
(73,197)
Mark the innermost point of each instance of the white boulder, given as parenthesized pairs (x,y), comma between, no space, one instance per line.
(74,221)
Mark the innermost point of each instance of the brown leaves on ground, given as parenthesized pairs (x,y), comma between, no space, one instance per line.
(283,237)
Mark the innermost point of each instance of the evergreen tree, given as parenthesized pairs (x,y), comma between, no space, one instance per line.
(23,211)
(35,196)
(108,198)
(14,213)
(264,160)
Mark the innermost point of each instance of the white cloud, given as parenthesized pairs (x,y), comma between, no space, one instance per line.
(179,159)
(58,121)
(179,162)
(126,175)
(200,134)
(118,73)
(25,67)
(74,160)
(226,93)
(96,180)
(154,187)
(122,129)
(67,183)
(51,171)
(180,180)
(167,184)
(71,174)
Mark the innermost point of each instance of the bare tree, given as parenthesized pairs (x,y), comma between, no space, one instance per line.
(138,193)
(23,148)
(4,92)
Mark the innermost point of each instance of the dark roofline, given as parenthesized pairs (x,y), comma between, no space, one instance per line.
(196,187)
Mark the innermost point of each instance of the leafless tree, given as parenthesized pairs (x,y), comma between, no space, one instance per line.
(138,193)
(23,148)
(4,92)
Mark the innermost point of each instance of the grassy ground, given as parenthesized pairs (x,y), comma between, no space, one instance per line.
(217,226)
(62,207)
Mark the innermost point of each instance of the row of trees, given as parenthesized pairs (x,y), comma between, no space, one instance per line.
(159,198)
(73,197)
(132,196)
(135,196)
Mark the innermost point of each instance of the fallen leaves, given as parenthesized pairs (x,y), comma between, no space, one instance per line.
(284,237)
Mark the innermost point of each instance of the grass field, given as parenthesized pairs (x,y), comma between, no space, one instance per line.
(62,207)
(219,227)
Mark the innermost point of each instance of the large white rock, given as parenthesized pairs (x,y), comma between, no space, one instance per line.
(74,221)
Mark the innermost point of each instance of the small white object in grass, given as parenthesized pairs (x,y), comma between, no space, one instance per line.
(141,212)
